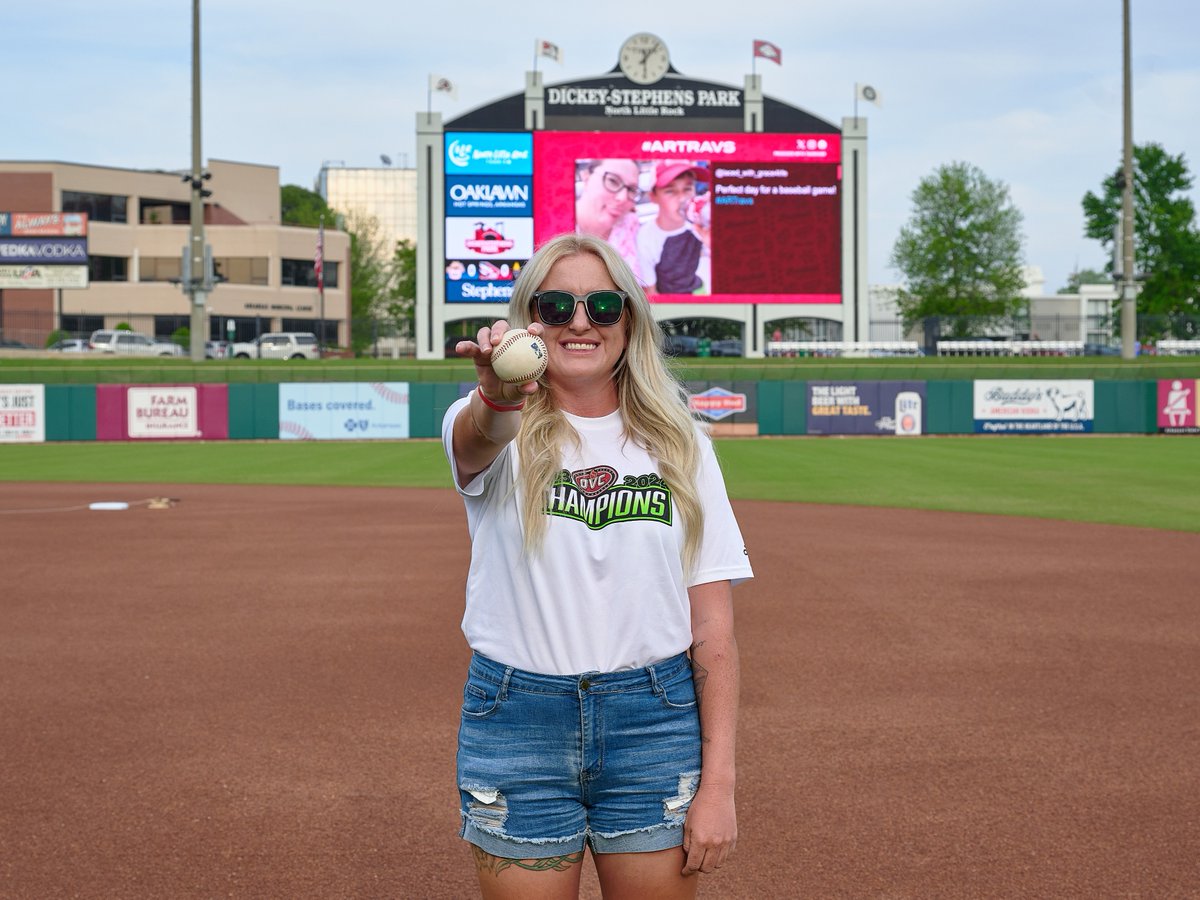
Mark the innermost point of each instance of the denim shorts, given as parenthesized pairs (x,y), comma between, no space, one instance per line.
(547,763)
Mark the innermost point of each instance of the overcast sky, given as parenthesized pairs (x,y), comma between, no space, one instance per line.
(1028,91)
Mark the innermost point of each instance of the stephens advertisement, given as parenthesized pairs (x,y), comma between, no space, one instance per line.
(1034,407)
(22,413)
(701,218)
(1177,406)
(348,412)
(866,407)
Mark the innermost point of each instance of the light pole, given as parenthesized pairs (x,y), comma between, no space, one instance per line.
(198,280)
(1128,288)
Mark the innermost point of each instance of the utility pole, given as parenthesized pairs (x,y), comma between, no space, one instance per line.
(1128,287)
(197,285)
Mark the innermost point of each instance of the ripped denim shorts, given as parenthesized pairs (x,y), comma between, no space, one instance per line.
(549,762)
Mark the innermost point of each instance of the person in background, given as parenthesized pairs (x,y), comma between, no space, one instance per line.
(605,205)
(600,706)
(673,250)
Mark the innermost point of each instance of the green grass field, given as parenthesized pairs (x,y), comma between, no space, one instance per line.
(1146,481)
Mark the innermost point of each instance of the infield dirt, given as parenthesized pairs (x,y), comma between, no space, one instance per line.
(254,693)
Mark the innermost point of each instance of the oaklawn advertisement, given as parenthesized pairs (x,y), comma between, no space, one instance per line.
(1034,407)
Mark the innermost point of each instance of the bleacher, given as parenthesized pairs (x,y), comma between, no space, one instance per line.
(848,349)
(1178,348)
(1009,348)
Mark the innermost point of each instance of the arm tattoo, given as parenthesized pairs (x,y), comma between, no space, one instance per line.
(486,862)
(699,673)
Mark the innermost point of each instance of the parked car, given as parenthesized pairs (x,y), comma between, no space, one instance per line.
(1100,350)
(130,343)
(681,345)
(70,345)
(10,344)
(216,349)
(731,347)
(280,345)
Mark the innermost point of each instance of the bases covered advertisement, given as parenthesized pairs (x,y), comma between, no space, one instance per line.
(343,411)
(866,407)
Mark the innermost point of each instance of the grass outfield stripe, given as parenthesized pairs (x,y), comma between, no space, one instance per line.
(1148,481)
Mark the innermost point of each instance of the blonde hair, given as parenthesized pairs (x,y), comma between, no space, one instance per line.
(653,403)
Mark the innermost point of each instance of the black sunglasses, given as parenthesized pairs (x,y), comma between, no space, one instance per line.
(558,307)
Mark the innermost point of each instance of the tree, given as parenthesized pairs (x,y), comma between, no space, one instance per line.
(960,254)
(298,206)
(402,296)
(1079,277)
(371,279)
(1166,242)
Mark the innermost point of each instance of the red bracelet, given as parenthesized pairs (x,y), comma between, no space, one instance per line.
(496,406)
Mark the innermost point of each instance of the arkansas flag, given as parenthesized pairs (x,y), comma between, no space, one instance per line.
(767,50)
(550,51)
(444,85)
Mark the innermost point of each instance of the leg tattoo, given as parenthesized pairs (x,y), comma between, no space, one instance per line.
(486,862)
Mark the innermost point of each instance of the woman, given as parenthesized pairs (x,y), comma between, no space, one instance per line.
(605,204)
(601,703)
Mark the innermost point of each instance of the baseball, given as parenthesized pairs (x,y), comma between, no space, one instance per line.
(519,357)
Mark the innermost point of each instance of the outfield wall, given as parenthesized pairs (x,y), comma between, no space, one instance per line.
(399,410)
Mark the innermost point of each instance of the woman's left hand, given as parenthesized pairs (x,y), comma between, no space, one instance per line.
(710,829)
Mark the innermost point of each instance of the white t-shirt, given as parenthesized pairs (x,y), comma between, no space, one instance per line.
(651,238)
(607,591)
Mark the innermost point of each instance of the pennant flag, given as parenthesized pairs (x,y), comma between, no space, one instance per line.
(550,51)
(767,50)
(868,93)
(444,85)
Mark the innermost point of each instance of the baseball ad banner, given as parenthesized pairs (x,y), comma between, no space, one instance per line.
(489,196)
(489,153)
(731,407)
(162,412)
(56,251)
(345,412)
(1177,406)
(43,224)
(866,407)
(1034,406)
(39,277)
(22,413)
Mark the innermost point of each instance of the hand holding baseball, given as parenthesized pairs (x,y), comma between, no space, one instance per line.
(518,359)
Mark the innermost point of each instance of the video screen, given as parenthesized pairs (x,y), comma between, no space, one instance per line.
(708,218)
(723,218)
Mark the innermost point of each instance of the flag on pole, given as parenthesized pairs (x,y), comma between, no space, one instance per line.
(319,257)
(868,93)
(767,50)
(438,83)
(550,50)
